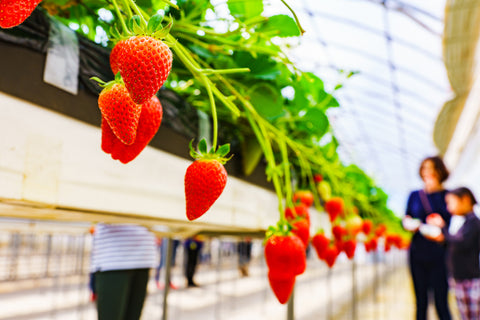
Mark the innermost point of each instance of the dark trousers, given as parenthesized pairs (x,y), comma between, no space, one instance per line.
(430,276)
(191,257)
(121,293)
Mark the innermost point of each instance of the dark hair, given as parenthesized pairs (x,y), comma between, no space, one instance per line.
(462,192)
(439,166)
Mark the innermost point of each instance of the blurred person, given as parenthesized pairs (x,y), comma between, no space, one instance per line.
(192,248)
(244,250)
(122,256)
(427,258)
(163,258)
(463,250)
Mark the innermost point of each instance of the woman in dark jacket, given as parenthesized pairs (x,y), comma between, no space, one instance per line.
(426,257)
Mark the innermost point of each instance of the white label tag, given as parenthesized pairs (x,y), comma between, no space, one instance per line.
(62,64)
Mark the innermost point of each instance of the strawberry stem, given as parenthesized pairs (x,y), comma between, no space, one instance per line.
(171,4)
(137,11)
(129,11)
(302,31)
(120,17)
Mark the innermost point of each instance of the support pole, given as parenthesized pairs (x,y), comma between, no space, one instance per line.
(291,306)
(167,265)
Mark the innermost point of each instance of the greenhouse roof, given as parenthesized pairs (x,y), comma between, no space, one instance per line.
(388,109)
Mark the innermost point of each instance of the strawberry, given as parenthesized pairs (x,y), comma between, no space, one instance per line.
(339,232)
(15,12)
(317,177)
(204,183)
(282,287)
(285,255)
(300,210)
(148,124)
(334,207)
(144,63)
(339,244)
(353,224)
(115,56)
(349,247)
(331,254)
(367,226)
(119,110)
(380,230)
(303,196)
(301,228)
(320,242)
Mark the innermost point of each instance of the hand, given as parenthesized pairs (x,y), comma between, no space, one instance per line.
(439,238)
(436,220)
(410,224)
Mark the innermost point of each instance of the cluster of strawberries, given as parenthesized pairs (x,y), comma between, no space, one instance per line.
(14,12)
(131,112)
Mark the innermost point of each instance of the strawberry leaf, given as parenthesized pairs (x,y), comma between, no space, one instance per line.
(202,146)
(154,23)
(162,33)
(223,150)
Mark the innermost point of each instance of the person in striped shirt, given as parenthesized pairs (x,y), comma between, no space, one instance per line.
(122,255)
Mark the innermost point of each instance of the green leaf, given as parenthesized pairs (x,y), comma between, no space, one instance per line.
(202,146)
(245,9)
(154,23)
(223,150)
(280,25)
(251,155)
(267,100)
(314,121)
(261,66)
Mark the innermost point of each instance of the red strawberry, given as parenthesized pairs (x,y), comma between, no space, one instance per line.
(349,247)
(304,196)
(121,113)
(205,180)
(334,207)
(338,232)
(148,124)
(14,12)
(388,246)
(282,287)
(285,256)
(301,228)
(145,63)
(373,244)
(300,210)
(367,226)
(339,245)
(331,255)
(320,242)
(380,230)
(317,177)
(115,56)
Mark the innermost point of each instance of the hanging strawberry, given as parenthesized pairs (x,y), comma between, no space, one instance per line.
(15,12)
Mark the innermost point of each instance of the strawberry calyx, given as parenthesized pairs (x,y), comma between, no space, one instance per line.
(282,229)
(118,80)
(137,26)
(202,152)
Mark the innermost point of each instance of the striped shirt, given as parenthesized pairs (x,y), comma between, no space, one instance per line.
(122,247)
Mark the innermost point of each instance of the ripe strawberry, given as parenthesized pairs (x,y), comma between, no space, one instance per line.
(339,245)
(115,56)
(145,63)
(282,287)
(303,196)
(373,244)
(121,113)
(367,226)
(148,124)
(300,210)
(205,180)
(380,230)
(320,242)
(285,255)
(339,232)
(334,207)
(15,12)
(331,255)
(301,228)
(349,247)
(317,177)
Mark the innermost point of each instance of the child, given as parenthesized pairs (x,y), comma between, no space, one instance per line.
(463,248)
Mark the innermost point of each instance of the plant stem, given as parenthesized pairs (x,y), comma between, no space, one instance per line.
(137,11)
(171,4)
(214,111)
(129,11)
(302,31)
(120,17)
